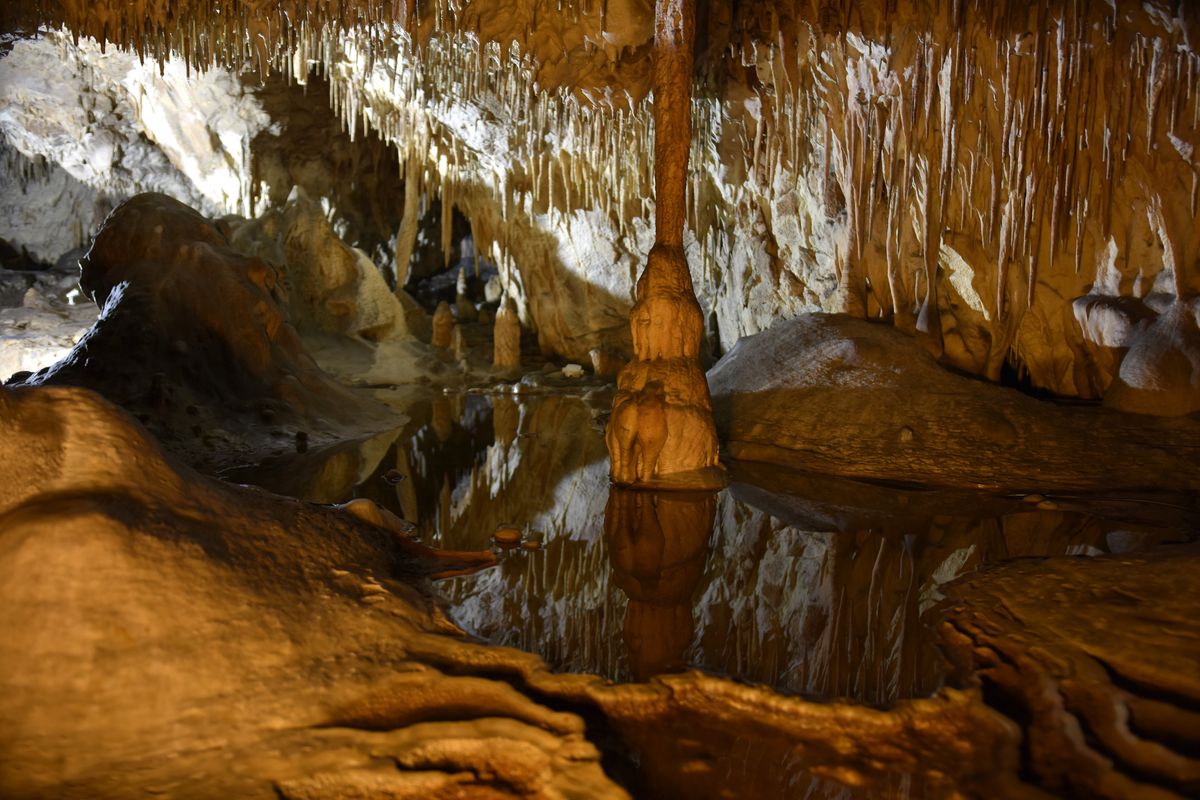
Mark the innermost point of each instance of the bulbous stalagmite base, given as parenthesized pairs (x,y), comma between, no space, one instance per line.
(661,433)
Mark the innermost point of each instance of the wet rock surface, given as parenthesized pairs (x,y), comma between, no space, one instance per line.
(1100,661)
(821,588)
(166,633)
(1012,184)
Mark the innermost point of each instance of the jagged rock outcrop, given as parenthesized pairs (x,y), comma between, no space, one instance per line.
(193,339)
(122,125)
(330,286)
(830,393)
(45,212)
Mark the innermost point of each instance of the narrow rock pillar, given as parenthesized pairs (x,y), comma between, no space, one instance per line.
(661,432)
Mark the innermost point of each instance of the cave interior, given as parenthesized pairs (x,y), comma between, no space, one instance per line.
(599,398)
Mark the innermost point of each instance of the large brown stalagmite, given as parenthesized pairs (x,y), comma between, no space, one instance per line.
(661,432)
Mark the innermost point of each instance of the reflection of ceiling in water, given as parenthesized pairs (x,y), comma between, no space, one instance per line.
(821,587)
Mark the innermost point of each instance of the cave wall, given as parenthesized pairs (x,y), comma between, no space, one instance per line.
(1014,183)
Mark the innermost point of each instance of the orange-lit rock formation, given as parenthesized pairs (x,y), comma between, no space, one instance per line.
(661,433)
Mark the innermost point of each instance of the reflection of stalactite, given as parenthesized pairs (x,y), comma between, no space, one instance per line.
(658,544)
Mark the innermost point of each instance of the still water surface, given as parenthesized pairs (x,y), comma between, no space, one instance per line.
(815,586)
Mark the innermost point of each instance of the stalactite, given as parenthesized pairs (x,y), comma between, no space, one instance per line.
(1035,134)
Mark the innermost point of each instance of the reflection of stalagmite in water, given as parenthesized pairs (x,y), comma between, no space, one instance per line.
(506,419)
(662,430)
(658,544)
(441,417)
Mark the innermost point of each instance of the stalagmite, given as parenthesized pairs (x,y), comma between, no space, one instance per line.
(458,343)
(661,432)
(464,309)
(507,337)
(443,326)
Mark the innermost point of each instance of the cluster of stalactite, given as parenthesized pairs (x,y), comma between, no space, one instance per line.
(532,153)
(1010,131)
(1022,138)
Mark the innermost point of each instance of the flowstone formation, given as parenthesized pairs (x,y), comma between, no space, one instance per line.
(221,641)
(1061,644)
(289,650)
(661,432)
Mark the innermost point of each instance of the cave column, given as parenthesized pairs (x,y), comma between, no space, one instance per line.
(661,433)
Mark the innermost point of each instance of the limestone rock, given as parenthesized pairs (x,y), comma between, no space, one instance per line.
(1067,653)
(458,344)
(193,337)
(331,287)
(156,609)
(605,364)
(833,394)
(1160,373)
(661,431)
(123,125)
(443,326)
